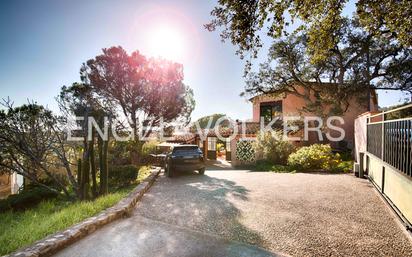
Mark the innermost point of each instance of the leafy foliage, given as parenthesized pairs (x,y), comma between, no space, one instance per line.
(148,150)
(209,122)
(146,90)
(124,175)
(347,58)
(263,165)
(119,152)
(242,22)
(26,199)
(344,166)
(245,151)
(387,17)
(272,147)
(31,144)
(149,147)
(357,63)
(314,157)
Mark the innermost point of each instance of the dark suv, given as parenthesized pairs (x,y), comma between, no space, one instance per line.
(184,158)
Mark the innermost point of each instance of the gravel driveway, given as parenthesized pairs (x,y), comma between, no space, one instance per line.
(295,214)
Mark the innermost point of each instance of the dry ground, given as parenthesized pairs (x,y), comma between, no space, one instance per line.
(297,214)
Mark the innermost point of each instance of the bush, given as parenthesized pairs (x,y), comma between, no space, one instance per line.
(119,152)
(123,175)
(148,149)
(272,147)
(344,166)
(346,156)
(263,165)
(314,157)
(26,199)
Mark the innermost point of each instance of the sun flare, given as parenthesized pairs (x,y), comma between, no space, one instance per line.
(167,43)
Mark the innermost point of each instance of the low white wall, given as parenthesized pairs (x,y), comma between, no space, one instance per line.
(360,135)
(396,186)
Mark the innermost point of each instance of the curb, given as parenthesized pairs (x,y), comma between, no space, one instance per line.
(59,240)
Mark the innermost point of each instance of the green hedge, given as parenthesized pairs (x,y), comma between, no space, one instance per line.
(263,165)
(122,175)
(273,148)
(26,199)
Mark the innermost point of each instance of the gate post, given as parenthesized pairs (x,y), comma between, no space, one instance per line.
(361,167)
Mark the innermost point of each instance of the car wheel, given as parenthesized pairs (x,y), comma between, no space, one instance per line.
(202,171)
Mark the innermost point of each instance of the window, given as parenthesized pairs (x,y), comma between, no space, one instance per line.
(211,143)
(185,150)
(200,143)
(227,144)
(270,110)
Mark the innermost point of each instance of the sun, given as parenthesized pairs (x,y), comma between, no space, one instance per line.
(166,42)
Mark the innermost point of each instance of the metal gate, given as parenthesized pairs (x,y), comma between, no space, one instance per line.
(390,138)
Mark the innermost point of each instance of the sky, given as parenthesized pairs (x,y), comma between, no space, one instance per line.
(43,44)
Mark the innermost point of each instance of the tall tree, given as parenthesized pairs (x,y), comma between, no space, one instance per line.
(147,91)
(79,100)
(358,62)
(31,145)
(243,22)
(209,122)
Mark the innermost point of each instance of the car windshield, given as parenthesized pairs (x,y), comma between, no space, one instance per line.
(186,150)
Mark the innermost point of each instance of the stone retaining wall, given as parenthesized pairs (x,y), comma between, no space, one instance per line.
(59,240)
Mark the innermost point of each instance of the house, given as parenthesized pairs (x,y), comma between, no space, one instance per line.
(10,184)
(267,107)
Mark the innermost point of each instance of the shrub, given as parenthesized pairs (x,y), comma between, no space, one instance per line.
(344,166)
(346,156)
(26,199)
(148,149)
(314,157)
(272,147)
(123,175)
(263,165)
(245,151)
(119,152)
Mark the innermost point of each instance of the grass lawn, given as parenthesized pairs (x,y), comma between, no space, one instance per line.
(18,229)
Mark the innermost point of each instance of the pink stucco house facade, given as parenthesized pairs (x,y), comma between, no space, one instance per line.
(292,105)
(269,106)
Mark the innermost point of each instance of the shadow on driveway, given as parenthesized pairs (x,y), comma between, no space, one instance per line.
(179,217)
(202,203)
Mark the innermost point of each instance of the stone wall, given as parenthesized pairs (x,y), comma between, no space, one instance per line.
(59,240)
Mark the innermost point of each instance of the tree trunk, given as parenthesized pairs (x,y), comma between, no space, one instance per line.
(135,152)
(79,171)
(79,179)
(85,185)
(104,174)
(134,157)
(93,165)
(106,166)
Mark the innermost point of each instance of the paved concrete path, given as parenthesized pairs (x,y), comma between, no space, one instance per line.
(296,214)
(139,236)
